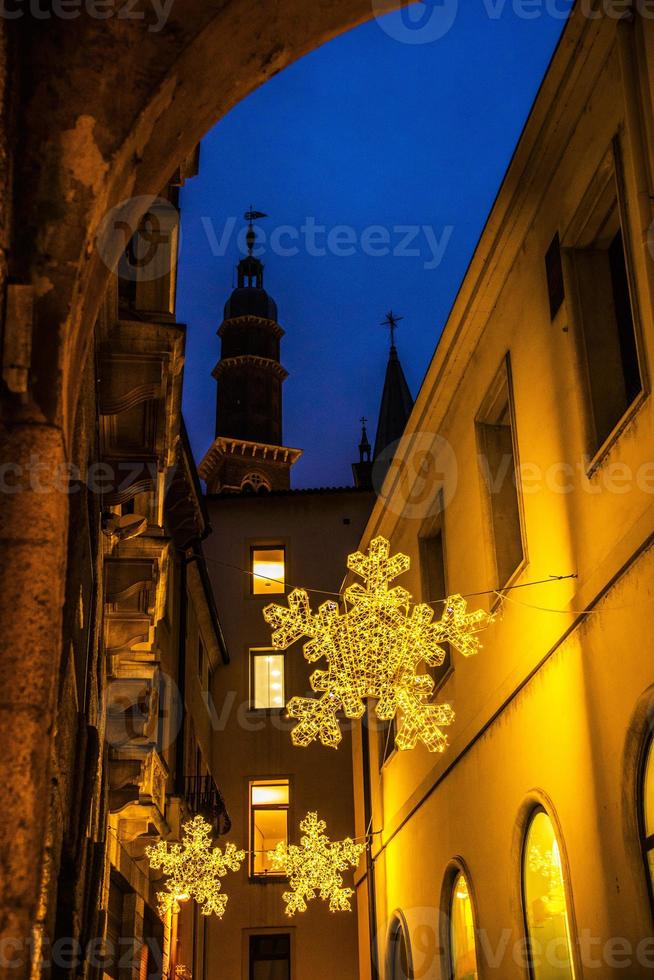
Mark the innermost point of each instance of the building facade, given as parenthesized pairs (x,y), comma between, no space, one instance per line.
(524,850)
(267,539)
(132,757)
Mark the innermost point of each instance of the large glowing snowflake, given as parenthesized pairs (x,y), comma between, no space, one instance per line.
(314,868)
(374,650)
(194,869)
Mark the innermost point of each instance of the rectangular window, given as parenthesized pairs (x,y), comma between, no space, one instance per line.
(269,802)
(599,255)
(434,583)
(609,334)
(117,944)
(270,957)
(498,461)
(554,273)
(268,567)
(266,679)
(153,938)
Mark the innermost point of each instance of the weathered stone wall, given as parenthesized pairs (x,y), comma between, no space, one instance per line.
(92,111)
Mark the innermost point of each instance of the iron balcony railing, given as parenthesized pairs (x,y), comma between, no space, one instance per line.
(203,797)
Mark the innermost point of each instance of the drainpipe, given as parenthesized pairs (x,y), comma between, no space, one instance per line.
(370,867)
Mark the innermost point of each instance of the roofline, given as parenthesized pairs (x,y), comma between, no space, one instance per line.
(301,491)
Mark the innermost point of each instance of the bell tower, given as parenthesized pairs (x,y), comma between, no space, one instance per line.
(247,454)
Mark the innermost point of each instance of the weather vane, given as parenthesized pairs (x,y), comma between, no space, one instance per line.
(391,321)
(251,216)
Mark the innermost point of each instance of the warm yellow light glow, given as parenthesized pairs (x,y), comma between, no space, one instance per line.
(268,571)
(545,899)
(462,932)
(314,868)
(270,794)
(374,649)
(194,869)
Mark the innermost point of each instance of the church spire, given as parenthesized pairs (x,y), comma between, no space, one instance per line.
(396,400)
(362,470)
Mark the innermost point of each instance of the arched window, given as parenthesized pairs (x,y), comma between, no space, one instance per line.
(545,903)
(255,483)
(463,949)
(398,963)
(648,810)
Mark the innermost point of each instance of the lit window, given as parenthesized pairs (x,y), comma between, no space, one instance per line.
(462,932)
(268,571)
(267,679)
(545,902)
(269,800)
(648,810)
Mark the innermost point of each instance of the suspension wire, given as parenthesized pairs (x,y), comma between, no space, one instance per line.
(425,602)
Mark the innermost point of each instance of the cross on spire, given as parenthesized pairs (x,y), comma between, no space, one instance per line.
(391,321)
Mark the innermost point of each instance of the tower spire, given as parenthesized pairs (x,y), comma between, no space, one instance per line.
(362,471)
(396,400)
(248,453)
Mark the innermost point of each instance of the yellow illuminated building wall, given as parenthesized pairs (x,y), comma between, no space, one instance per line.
(528,456)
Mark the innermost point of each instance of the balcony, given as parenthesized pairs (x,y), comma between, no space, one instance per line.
(137,792)
(203,797)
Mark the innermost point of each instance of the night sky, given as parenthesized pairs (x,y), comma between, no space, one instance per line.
(368,130)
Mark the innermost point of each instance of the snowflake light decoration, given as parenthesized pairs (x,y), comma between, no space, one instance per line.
(194,869)
(374,649)
(314,868)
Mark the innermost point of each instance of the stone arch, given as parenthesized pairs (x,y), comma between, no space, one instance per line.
(92,112)
(89,150)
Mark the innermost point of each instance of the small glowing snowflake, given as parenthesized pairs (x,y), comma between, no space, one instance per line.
(374,649)
(194,869)
(314,868)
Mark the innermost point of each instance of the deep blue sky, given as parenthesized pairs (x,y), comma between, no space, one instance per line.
(367,130)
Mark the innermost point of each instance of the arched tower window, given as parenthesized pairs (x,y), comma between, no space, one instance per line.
(398,962)
(647,812)
(255,483)
(545,903)
(463,948)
